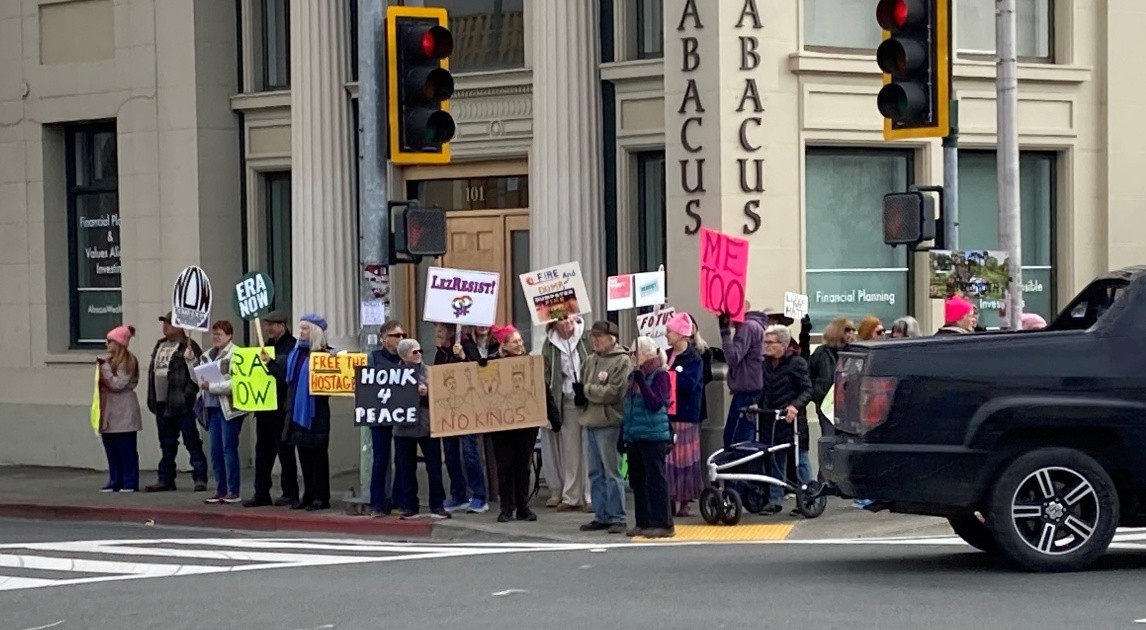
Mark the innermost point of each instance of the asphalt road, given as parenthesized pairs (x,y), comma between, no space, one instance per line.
(664,586)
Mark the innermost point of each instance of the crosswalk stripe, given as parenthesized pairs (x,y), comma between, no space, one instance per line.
(202,554)
(80,565)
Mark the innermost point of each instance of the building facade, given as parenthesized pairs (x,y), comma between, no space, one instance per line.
(138,137)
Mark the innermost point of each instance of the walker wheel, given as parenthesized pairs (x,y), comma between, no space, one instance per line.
(711,505)
(810,500)
(733,507)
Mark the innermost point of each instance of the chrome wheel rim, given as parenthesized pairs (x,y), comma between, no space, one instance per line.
(1055,511)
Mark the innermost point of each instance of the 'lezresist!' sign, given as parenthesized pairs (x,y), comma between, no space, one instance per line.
(460,296)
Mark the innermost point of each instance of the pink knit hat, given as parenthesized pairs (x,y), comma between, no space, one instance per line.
(680,324)
(1033,321)
(955,309)
(121,335)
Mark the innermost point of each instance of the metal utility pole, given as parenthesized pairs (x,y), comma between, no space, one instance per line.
(373,213)
(1007,88)
(951,180)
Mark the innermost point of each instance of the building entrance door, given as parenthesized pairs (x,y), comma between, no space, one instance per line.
(498,242)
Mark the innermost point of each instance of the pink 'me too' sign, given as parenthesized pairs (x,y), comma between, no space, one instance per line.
(723,271)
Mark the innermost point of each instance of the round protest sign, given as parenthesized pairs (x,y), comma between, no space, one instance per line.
(254,294)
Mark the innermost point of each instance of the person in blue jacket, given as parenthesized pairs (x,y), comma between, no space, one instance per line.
(686,411)
(647,438)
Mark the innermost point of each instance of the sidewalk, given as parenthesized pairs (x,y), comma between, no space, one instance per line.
(69,494)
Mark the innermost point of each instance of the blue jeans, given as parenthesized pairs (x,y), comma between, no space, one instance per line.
(122,460)
(382,440)
(778,466)
(606,486)
(224,436)
(463,463)
(737,430)
(170,430)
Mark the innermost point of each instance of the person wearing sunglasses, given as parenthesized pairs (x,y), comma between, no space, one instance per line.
(382,437)
(871,329)
(408,439)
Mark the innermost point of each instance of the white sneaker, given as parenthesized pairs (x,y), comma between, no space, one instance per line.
(128,491)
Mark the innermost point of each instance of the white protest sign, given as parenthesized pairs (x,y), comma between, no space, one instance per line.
(649,288)
(619,293)
(653,325)
(191,300)
(555,293)
(461,296)
(795,305)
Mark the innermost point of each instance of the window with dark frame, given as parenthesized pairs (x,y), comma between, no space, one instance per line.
(650,29)
(95,270)
(278,234)
(651,237)
(275,44)
(488,34)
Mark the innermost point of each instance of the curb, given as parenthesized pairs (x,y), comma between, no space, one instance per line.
(266,521)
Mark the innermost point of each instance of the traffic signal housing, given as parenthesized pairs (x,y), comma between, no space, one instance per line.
(419,85)
(915,58)
(908,218)
(417,231)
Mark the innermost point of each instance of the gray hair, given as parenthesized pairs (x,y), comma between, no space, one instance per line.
(908,325)
(406,346)
(781,332)
(646,348)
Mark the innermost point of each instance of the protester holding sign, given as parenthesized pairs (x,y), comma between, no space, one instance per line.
(462,452)
(171,396)
(382,490)
(744,354)
(563,453)
(224,422)
(478,344)
(409,438)
(309,428)
(269,425)
(514,447)
(119,415)
(685,481)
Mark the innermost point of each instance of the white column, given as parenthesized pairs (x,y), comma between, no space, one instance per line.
(566,198)
(323,222)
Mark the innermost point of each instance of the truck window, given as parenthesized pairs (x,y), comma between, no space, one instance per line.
(1089,306)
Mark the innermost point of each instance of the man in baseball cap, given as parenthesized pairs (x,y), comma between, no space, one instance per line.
(604,375)
(269,443)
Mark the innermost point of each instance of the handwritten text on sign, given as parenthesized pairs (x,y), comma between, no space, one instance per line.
(333,374)
(252,386)
(386,396)
(723,271)
(654,325)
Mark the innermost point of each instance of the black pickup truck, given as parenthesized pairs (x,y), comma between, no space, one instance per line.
(1031,443)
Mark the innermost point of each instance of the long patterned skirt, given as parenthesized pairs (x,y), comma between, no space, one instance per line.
(685,480)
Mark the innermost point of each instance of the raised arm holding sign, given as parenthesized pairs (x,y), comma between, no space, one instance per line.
(723,273)
(254,294)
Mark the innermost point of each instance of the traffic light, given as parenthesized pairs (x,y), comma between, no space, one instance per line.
(418,85)
(908,218)
(915,58)
(417,230)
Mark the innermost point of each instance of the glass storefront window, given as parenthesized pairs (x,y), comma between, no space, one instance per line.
(488,34)
(278,221)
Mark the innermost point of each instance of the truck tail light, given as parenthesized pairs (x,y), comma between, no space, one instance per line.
(876,395)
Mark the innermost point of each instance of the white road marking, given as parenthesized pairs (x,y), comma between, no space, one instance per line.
(51,625)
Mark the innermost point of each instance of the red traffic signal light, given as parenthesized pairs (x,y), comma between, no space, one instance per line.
(419,85)
(915,60)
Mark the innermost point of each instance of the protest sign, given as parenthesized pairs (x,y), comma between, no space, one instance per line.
(252,386)
(978,275)
(723,272)
(461,296)
(653,324)
(508,393)
(333,374)
(254,294)
(672,390)
(649,288)
(619,293)
(555,293)
(191,300)
(795,305)
(386,396)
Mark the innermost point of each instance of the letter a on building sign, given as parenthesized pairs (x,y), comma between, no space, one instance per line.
(723,273)
(191,300)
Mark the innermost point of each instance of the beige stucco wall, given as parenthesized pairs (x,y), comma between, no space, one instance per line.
(166,81)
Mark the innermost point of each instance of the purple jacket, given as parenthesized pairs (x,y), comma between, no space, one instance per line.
(744,354)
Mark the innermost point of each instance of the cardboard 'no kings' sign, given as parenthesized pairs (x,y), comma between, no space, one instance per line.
(254,294)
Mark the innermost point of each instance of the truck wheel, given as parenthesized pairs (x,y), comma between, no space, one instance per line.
(1053,509)
(974,533)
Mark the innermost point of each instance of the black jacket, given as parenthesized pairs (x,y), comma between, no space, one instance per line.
(318,435)
(182,390)
(469,347)
(785,383)
(277,368)
(822,368)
